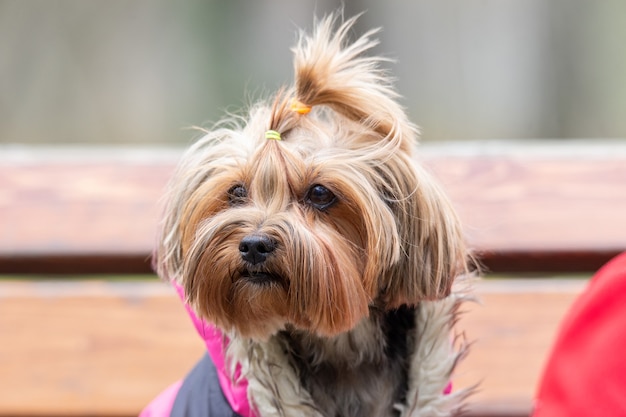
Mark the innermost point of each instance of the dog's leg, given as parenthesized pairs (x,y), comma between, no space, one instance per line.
(274,387)
(434,360)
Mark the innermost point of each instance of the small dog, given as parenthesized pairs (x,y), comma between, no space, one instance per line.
(308,234)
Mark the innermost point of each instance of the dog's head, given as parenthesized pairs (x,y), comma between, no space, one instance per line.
(311,209)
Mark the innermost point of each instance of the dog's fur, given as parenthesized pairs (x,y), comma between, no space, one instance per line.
(346,306)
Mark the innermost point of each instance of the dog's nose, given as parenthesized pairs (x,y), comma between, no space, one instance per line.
(256,248)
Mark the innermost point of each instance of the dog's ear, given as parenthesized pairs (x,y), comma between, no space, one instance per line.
(433,252)
(332,72)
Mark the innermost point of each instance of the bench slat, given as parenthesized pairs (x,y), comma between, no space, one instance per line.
(522,213)
(95,348)
(90,348)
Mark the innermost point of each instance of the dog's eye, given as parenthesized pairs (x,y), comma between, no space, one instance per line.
(320,197)
(237,194)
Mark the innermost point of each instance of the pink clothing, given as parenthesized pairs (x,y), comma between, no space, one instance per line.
(161,406)
(585,374)
(235,392)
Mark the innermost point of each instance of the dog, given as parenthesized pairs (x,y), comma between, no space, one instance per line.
(308,234)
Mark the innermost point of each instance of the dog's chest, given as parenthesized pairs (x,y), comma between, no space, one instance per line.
(369,390)
(360,373)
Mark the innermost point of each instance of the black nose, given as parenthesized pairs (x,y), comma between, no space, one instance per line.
(256,248)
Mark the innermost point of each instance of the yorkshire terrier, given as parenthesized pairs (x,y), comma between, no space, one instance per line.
(308,234)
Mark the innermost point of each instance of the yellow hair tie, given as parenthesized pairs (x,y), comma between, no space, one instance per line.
(272,134)
(300,107)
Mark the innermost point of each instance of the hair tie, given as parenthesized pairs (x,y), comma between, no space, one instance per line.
(300,107)
(273,135)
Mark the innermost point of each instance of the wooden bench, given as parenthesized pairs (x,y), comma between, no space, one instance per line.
(94,338)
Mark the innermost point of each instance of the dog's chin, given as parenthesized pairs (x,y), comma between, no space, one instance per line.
(261,278)
(258,303)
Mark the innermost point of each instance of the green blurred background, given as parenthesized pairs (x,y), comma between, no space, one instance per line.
(140,72)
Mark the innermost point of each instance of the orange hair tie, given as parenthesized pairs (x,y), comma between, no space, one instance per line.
(300,107)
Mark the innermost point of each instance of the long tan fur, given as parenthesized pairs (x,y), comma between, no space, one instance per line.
(389,239)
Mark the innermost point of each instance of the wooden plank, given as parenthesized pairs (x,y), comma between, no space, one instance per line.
(529,212)
(549,210)
(70,206)
(76,263)
(90,348)
(94,348)
(512,329)
(545,260)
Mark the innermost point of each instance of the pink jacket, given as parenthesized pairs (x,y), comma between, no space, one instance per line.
(235,393)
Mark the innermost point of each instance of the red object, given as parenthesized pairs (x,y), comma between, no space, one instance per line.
(586,371)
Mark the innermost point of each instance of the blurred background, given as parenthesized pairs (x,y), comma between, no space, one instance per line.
(138,74)
(141,72)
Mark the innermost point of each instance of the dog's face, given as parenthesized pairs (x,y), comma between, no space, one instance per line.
(315,228)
